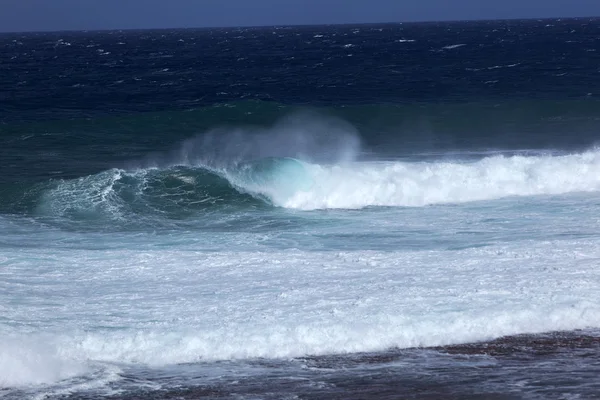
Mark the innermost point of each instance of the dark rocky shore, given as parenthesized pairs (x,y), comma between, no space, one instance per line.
(558,365)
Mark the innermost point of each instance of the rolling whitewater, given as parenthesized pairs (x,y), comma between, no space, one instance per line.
(357,211)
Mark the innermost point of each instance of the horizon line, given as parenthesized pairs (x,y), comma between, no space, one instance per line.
(424,21)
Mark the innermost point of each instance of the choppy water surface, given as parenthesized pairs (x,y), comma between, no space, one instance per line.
(301,212)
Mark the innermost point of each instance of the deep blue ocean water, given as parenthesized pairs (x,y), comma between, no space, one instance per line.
(301,212)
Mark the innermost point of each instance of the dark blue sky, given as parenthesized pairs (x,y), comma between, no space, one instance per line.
(26,15)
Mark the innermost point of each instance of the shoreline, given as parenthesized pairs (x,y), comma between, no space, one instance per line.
(548,365)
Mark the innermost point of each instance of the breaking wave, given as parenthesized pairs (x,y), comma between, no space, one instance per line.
(185,191)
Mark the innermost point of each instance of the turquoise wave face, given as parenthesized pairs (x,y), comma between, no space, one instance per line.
(276,178)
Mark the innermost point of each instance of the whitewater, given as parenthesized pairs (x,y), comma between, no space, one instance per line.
(283,258)
(295,184)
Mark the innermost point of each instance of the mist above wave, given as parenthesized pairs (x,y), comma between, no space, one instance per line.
(306,135)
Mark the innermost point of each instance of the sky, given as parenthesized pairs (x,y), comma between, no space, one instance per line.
(52,15)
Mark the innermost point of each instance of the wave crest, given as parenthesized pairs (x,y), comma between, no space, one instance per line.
(174,193)
(415,184)
(184,192)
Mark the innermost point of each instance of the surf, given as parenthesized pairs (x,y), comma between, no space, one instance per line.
(187,192)
(155,196)
(423,183)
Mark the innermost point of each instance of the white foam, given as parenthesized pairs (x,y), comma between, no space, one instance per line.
(26,360)
(165,307)
(378,332)
(92,194)
(356,185)
(453,46)
(74,304)
(499,66)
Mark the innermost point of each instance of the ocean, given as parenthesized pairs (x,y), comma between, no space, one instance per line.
(391,211)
